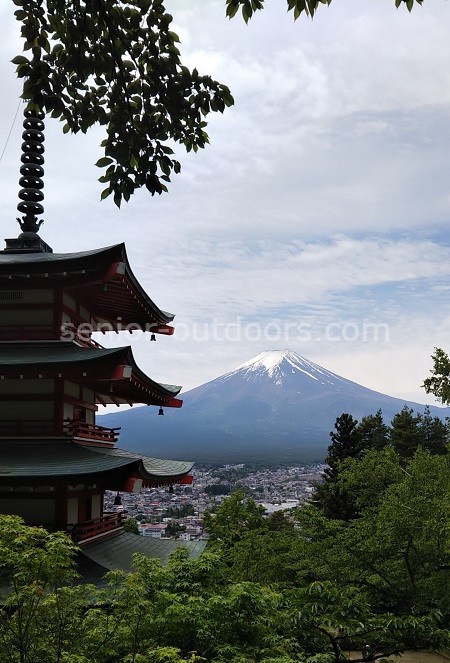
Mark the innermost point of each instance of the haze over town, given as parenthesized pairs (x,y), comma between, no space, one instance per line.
(316,219)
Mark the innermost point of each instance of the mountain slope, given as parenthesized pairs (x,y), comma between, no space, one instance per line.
(277,405)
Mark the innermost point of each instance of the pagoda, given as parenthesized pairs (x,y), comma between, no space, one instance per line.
(56,462)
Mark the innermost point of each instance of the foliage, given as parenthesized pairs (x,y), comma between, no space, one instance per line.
(173,529)
(237,516)
(346,443)
(365,480)
(373,432)
(37,619)
(398,550)
(343,498)
(439,382)
(267,590)
(298,7)
(435,433)
(217,489)
(131,525)
(181,511)
(116,63)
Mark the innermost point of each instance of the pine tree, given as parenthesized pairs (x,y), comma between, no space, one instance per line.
(373,432)
(435,433)
(407,433)
(346,443)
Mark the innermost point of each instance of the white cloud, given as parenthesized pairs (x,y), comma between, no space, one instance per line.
(323,196)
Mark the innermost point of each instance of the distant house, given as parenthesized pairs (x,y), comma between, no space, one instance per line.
(190,533)
(157,531)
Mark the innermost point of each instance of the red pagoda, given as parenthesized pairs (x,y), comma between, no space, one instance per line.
(56,462)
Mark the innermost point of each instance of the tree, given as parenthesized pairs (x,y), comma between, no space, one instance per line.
(373,432)
(435,433)
(116,63)
(365,480)
(307,7)
(398,549)
(173,529)
(235,517)
(40,616)
(439,382)
(218,489)
(406,432)
(346,443)
(131,525)
(193,611)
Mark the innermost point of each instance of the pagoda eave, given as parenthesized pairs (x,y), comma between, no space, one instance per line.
(89,275)
(110,372)
(52,464)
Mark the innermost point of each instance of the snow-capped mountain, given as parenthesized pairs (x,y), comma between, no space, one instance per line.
(277,404)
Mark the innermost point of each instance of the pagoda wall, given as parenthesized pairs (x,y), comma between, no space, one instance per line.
(27,411)
(74,314)
(88,504)
(39,510)
(28,310)
(24,403)
(77,396)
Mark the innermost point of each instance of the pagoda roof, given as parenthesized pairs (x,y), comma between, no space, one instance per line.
(101,279)
(111,372)
(118,552)
(65,460)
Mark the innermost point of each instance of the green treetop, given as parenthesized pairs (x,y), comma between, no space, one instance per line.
(116,63)
(298,7)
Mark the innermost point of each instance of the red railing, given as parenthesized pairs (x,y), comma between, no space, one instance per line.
(97,526)
(27,428)
(84,431)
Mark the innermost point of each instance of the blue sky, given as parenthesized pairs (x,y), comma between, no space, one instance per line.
(318,217)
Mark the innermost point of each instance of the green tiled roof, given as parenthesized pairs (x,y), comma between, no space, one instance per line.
(156,467)
(39,263)
(55,460)
(67,353)
(24,259)
(67,459)
(117,552)
(58,352)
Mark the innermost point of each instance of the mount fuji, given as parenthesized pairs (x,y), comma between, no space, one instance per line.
(277,406)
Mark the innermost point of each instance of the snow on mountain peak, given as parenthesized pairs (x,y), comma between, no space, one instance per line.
(277,363)
(268,360)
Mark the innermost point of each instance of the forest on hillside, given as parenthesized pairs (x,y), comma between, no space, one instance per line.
(363,567)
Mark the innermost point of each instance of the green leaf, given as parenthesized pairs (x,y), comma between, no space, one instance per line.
(104,161)
(20,59)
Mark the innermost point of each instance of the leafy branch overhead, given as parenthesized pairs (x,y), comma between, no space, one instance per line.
(116,63)
(307,7)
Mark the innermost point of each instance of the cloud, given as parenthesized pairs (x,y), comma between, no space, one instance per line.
(322,199)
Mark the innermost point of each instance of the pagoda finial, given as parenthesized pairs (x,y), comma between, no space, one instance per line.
(31,195)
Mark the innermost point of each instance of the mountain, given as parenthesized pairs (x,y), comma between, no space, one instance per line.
(277,406)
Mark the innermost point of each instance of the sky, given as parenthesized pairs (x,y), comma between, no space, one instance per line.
(317,218)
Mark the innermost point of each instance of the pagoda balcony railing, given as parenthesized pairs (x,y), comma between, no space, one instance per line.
(13,428)
(46,333)
(91,432)
(109,522)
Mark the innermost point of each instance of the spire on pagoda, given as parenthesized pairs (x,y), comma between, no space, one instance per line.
(31,194)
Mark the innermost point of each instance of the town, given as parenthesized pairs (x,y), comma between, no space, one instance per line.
(177,512)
